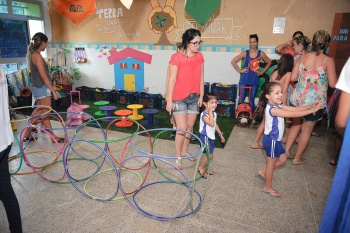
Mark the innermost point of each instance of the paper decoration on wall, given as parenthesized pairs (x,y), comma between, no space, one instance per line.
(104,51)
(129,68)
(126,3)
(162,20)
(79,55)
(201,10)
(76,10)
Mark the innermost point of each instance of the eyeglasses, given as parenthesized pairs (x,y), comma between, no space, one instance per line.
(197,43)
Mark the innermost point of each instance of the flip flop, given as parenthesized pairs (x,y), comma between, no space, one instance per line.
(59,140)
(203,176)
(31,138)
(260,177)
(270,193)
(301,161)
(260,147)
(211,172)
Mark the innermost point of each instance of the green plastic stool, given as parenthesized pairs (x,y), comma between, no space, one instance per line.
(101,103)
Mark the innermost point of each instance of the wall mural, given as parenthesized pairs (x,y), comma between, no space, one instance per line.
(162,20)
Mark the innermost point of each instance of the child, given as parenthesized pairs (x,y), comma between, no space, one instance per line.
(207,128)
(282,76)
(271,99)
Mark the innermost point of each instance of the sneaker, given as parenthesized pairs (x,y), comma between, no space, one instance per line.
(173,134)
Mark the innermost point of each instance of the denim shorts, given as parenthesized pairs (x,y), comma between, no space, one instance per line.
(40,92)
(187,106)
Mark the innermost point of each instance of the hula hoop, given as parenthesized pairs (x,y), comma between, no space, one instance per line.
(65,182)
(114,199)
(25,92)
(136,207)
(16,156)
(72,180)
(106,141)
(162,218)
(37,170)
(36,107)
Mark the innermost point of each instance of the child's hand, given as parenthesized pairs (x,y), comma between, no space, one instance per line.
(317,105)
(222,138)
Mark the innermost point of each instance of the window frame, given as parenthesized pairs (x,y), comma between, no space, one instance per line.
(12,16)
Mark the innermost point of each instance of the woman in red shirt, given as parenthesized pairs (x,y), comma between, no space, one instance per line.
(185,88)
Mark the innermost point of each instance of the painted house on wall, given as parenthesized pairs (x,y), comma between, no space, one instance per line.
(129,68)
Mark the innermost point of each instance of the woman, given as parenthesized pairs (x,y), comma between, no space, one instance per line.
(250,72)
(185,89)
(7,195)
(41,82)
(287,48)
(314,72)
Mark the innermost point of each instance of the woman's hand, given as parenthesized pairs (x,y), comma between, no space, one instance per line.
(169,107)
(245,70)
(56,96)
(200,101)
(222,138)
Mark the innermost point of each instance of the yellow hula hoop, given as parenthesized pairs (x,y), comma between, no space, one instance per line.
(34,106)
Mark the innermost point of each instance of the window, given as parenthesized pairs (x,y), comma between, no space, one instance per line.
(3,7)
(19,21)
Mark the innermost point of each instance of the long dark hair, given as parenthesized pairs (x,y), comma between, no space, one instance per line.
(303,40)
(298,32)
(267,89)
(187,36)
(284,65)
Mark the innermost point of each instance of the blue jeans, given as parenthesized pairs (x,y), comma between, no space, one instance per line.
(7,195)
(243,93)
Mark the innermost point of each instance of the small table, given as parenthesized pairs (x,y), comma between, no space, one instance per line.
(150,112)
(101,103)
(108,110)
(135,114)
(123,122)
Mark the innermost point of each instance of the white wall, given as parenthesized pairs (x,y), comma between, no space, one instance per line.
(98,73)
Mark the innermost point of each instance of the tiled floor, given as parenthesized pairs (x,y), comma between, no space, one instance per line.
(232,198)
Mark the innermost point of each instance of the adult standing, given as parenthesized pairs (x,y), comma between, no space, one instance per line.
(250,72)
(41,81)
(287,48)
(343,112)
(314,72)
(7,195)
(185,89)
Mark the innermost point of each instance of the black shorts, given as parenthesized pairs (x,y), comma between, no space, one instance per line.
(314,117)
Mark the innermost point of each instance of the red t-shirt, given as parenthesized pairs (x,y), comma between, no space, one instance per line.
(188,77)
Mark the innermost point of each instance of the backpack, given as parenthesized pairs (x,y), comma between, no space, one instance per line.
(244,115)
(244,112)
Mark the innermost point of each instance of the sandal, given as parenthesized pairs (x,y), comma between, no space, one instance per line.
(31,138)
(59,140)
(178,163)
(204,176)
(301,161)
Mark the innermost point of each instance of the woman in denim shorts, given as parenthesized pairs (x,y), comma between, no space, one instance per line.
(41,82)
(185,89)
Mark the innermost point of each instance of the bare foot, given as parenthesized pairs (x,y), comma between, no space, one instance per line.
(178,163)
(256,147)
(298,162)
(290,156)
